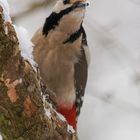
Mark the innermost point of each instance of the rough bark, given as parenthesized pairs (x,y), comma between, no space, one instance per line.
(22,114)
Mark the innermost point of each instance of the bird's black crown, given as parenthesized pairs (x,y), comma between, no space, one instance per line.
(66,1)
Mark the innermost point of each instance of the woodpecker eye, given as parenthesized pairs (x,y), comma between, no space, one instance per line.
(66,1)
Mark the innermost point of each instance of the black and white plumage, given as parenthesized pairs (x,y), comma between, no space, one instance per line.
(61,52)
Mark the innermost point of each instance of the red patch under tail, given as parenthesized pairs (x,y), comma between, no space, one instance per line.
(69,114)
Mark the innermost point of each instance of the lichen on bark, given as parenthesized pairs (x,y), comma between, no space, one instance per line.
(8,41)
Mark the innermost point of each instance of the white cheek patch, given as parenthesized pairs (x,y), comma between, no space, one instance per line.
(87,53)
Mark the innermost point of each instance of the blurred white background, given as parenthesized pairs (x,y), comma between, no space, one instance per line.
(111,110)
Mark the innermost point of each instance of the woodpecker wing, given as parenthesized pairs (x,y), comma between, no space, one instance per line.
(81,72)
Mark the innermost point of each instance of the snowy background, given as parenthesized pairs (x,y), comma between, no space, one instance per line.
(111,109)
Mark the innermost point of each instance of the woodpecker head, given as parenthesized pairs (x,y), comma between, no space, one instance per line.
(68,15)
(64,4)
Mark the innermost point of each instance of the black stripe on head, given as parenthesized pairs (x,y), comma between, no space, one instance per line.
(66,1)
(54,19)
(76,35)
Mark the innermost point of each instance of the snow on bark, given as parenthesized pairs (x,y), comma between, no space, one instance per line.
(25,44)
(0,137)
(5,6)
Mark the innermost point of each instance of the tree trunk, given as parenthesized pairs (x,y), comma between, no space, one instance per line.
(22,112)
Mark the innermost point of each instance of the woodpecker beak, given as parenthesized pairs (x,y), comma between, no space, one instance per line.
(80,4)
(83,5)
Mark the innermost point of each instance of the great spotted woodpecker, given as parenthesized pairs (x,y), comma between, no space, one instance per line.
(61,52)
